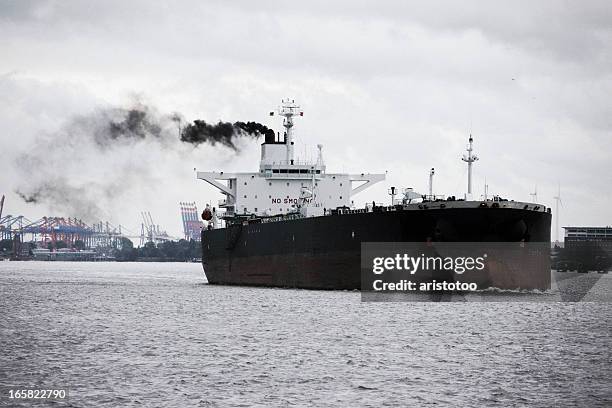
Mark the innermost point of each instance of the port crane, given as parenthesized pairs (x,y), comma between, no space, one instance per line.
(151,232)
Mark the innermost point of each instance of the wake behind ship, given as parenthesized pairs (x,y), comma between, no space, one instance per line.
(293,224)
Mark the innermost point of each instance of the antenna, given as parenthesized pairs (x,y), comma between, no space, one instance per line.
(431,174)
(558,201)
(486,190)
(469,158)
(534,195)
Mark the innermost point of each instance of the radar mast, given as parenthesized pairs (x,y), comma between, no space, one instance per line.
(469,158)
(288,110)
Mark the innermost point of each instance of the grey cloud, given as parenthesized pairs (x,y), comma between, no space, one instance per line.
(310,35)
(531,79)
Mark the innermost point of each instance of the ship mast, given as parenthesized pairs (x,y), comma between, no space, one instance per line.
(557,198)
(534,195)
(469,158)
(289,109)
(431,174)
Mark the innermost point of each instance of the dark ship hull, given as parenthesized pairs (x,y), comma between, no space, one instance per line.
(325,252)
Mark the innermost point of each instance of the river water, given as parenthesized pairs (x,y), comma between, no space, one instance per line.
(156,334)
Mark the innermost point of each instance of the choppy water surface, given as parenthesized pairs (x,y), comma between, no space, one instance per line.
(158,335)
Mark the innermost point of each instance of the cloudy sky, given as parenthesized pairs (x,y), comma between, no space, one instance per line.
(391,86)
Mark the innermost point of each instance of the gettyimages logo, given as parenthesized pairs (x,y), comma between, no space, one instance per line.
(410,264)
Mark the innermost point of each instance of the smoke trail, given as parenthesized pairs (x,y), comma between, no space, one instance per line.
(137,122)
(97,161)
(223,132)
(60,194)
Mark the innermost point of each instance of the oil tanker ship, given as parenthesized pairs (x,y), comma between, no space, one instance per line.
(293,224)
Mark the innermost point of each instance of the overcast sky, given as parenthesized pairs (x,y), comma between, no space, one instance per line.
(385,86)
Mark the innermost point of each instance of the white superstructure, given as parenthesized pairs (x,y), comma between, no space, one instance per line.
(285,184)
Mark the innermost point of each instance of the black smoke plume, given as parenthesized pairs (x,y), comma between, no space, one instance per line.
(223,132)
(136,122)
(29,198)
(95,161)
(62,195)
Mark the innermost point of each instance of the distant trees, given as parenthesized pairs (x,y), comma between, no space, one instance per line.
(126,244)
(178,251)
(149,250)
(58,245)
(6,246)
(182,250)
(127,251)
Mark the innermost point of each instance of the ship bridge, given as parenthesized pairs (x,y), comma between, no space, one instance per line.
(284,183)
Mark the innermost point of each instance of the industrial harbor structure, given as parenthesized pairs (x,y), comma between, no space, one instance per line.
(192,225)
(70,238)
(581,234)
(50,230)
(585,249)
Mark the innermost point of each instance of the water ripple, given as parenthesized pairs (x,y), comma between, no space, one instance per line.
(157,335)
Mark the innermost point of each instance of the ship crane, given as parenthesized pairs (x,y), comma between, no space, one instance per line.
(469,158)
(150,232)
